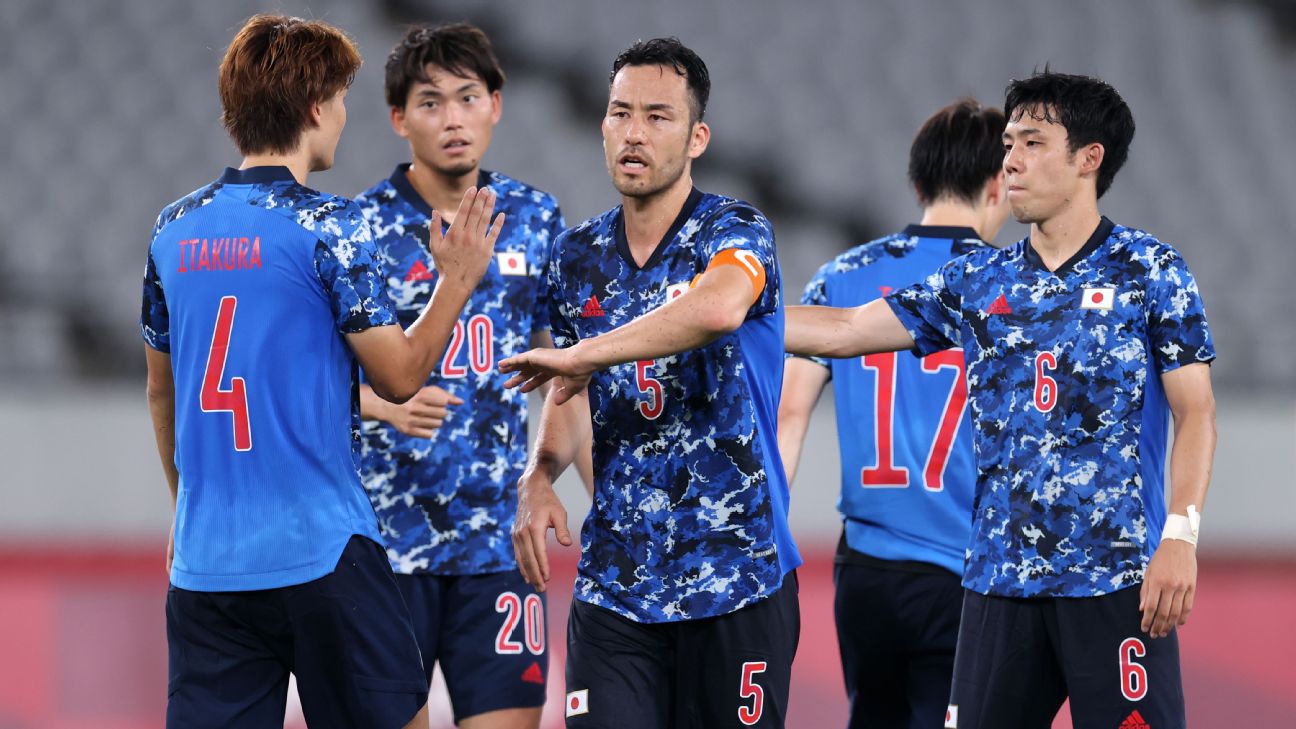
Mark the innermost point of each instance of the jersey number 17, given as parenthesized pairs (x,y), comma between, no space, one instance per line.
(886,474)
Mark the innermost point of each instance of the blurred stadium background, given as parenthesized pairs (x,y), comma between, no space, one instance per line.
(110,112)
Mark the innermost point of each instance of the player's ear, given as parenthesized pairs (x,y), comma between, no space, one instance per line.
(316,113)
(497,106)
(993,193)
(398,122)
(699,139)
(1090,158)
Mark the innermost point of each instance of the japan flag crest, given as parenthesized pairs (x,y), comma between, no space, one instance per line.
(578,702)
(1101,297)
(512,263)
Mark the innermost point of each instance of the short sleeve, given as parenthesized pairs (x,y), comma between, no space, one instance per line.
(931,310)
(744,228)
(560,327)
(348,268)
(544,253)
(816,294)
(155,318)
(1177,328)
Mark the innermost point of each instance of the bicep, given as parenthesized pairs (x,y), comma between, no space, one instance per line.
(1188,390)
(381,350)
(160,378)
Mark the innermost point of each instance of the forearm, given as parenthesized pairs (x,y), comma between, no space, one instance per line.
(564,430)
(428,335)
(692,321)
(823,331)
(372,407)
(1190,461)
(161,401)
(791,437)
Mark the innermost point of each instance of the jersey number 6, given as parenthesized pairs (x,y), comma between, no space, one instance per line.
(212,399)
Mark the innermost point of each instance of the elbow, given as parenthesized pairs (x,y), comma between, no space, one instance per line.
(719,321)
(395,392)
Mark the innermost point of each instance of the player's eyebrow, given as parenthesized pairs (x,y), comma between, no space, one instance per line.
(1021,132)
(433,92)
(619,104)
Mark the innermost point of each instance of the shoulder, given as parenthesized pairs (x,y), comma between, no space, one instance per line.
(595,231)
(863,255)
(373,200)
(327,216)
(1144,250)
(514,191)
(721,216)
(185,205)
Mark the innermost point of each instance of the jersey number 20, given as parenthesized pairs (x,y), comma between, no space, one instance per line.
(213,399)
(886,474)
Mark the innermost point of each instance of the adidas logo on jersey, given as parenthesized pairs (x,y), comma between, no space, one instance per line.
(533,674)
(592,309)
(1135,721)
(419,272)
(1000,306)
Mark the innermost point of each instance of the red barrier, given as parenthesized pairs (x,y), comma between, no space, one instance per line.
(83,642)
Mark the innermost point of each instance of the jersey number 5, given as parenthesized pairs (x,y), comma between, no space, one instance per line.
(886,474)
(652,408)
(212,399)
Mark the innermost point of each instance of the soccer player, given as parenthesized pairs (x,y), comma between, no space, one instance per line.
(906,444)
(260,294)
(442,468)
(667,308)
(1077,340)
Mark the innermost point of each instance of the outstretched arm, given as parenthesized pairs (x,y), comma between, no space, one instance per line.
(160,392)
(716,306)
(1170,582)
(824,331)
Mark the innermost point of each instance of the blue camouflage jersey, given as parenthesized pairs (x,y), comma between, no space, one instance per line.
(905,437)
(446,504)
(690,506)
(1071,417)
(251,284)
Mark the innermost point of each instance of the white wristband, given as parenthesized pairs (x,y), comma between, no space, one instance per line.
(1184,528)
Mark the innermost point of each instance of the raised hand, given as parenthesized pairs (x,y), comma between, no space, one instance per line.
(463,252)
(536,367)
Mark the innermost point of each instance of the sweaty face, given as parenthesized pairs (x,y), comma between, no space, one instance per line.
(448,121)
(333,118)
(1041,173)
(647,132)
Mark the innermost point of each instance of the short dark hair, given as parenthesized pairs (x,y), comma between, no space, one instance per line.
(956,152)
(459,48)
(273,70)
(1088,108)
(672,53)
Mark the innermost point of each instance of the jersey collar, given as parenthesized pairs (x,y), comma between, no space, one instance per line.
(257,175)
(623,245)
(1100,236)
(400,180)
(952,232)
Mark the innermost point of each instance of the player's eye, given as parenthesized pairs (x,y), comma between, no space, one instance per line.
(429,105)
(1032,143)
(656,117)
(470,98)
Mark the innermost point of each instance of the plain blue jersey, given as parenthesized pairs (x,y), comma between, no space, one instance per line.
(446,504)
(251,284)
(1064,378)
(690,503)
(908,478)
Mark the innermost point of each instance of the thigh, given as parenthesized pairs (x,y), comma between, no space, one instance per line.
(494,646)
(224,661)
(871,646)
(735,670)
(356,659)
(619,673)
(1117,675)
(1005,670)
(931,605)
(424,597)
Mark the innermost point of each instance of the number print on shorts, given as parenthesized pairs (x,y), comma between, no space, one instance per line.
(530,613)
(749,715)
(1133,676)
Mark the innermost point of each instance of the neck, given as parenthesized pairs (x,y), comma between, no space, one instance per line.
(957,214)
(1060,237)
(298,163)
(648,218)
(441,192)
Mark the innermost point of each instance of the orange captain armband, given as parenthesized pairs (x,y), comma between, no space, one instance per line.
(747,262)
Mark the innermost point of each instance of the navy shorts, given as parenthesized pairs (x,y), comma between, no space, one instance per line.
(897,626)
(1019,659)
(346,636)
(488,634)
(733,670)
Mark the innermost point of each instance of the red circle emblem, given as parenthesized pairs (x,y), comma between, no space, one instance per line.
(1097,297)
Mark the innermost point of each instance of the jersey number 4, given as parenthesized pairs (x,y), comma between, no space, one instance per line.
(212,399)
(886,474)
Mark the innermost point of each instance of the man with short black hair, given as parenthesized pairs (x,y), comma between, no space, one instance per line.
(668,311)
(908,478)
(1079,342)
(260,295)
(442,468)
